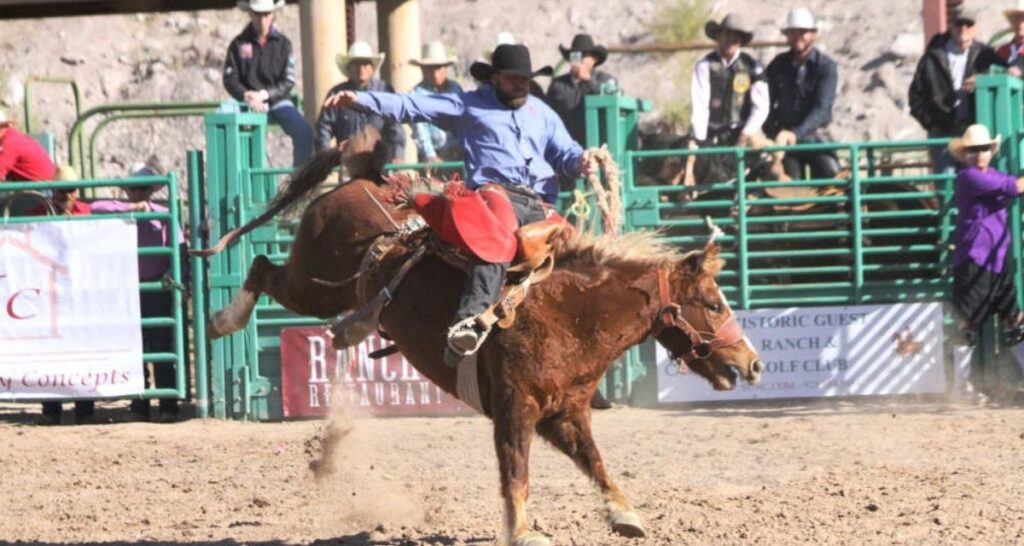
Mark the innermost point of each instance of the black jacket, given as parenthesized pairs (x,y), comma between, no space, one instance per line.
(932,98)
(801,105)
(251,67)
(341,123)
(566,99)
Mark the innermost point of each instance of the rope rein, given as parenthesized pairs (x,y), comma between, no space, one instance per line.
(608,199)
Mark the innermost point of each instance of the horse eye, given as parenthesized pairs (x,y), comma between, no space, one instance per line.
(715,307)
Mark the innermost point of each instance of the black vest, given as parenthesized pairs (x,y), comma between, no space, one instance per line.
(730,88)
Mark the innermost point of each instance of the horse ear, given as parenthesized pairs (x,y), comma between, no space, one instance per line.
(713,264)
(694,261)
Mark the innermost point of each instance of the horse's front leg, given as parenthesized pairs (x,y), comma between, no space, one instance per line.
(570,432)
(514,422)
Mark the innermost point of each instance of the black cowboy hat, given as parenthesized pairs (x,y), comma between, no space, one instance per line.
(585,44)
(508,59)
(733,22)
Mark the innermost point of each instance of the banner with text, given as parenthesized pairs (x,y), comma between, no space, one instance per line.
(69,310)
(315,376)
(829,351)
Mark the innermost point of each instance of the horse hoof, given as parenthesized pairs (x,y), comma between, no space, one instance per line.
(628,524)
(532,539)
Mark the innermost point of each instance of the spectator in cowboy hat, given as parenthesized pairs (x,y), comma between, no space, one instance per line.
(360,65)
(729,95)
(152,233)
(1012,53)
(260,71)
(982,284)
(941,94)
(802,87)
(63,201)
(22,159)
(565,95)
(511,139)
(433,143)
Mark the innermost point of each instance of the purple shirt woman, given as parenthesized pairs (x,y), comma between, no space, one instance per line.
(981,287)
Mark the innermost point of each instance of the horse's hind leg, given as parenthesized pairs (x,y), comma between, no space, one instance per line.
(571,434)
(263,277)
(513,432)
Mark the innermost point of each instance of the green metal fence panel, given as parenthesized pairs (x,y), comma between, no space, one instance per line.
(234,142)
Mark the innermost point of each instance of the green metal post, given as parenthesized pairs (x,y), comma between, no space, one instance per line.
(742,257)
(196,205)
(857,229)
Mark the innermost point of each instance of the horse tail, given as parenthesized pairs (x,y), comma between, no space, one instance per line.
(299,184)
(364,156)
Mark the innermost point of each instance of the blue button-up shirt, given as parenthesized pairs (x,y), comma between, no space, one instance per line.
(527,146)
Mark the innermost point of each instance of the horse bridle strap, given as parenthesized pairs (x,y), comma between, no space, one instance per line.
(702,344)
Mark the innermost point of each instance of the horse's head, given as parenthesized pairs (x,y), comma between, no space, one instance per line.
(697,326)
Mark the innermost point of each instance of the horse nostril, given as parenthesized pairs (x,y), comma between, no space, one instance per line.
(757,366)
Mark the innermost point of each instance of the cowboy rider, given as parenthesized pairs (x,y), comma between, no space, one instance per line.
(510,138)
(729,93)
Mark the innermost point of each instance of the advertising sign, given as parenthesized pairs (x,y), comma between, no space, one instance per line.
(315,376)
(829,351)
(69,310)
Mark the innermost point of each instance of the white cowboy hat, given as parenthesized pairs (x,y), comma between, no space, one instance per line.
(260,6)
(3,119)
(800,18)
(975,136)
(1014,11)
(359,51)
(434,54)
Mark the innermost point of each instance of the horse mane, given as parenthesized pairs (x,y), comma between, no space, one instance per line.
(640,249)
(634,250)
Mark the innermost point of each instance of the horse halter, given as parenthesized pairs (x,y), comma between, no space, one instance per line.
(702,344)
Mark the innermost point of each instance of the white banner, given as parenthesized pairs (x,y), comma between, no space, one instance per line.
(69,310)
(829,351)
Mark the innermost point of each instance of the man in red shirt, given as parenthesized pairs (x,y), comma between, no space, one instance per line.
(21,157)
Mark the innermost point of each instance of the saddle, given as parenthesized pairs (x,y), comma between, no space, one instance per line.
(532,263)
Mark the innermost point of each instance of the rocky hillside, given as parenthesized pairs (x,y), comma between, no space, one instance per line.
(178,57)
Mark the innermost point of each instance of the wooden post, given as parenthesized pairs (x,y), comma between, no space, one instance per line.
(323,29)
(398,33)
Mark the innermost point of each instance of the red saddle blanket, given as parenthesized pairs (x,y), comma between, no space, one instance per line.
(481,222)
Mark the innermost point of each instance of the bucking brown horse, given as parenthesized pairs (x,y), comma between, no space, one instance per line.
(605,295)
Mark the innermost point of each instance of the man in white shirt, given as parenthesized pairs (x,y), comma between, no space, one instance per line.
(729,92)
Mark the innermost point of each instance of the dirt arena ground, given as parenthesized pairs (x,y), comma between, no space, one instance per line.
(842,473)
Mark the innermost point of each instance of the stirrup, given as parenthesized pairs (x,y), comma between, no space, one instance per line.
(1014,335)
(466,336)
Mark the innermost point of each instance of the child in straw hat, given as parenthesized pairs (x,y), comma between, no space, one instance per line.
(981,286)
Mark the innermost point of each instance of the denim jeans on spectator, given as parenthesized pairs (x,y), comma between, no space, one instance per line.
(942,161)
(295,126)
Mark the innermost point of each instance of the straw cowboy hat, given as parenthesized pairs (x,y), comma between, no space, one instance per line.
(976,136)
(66,173)
(584,43)
(508,59)
(359,51)
(260,6)
(1019,10)
(434,54)
(800,19)
(733,22)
